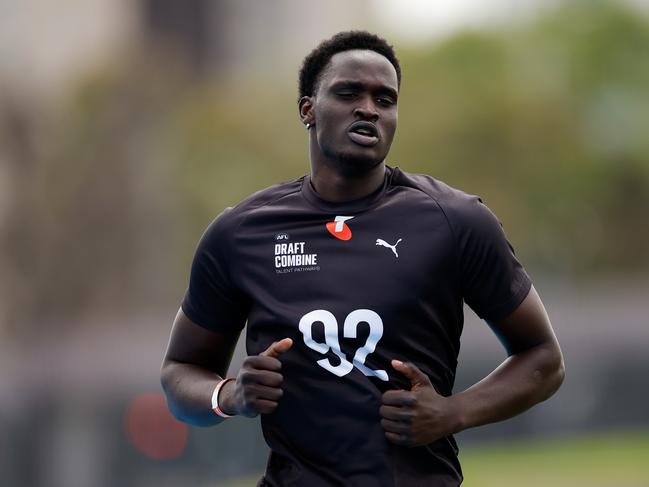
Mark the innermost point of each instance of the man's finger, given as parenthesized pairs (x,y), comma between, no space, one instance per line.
(395,426)
(268,378)
(262,363)
(412,372)
(394,413)
(265,392)
(278,348)
(398,398)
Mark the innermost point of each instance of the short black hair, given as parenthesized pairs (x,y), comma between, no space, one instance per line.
(315,62)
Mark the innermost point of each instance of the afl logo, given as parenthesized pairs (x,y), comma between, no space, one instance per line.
(281,236)
(339,229)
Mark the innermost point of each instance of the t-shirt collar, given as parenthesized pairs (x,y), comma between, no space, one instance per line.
(352,206)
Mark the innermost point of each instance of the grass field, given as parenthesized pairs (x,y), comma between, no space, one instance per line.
(614,459)
(598,460)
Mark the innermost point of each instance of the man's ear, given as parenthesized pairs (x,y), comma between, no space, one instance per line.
(305,108)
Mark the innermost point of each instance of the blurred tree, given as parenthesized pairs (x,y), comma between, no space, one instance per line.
(194,29)
(548,124)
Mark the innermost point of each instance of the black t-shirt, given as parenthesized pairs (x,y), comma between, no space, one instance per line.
(355,285)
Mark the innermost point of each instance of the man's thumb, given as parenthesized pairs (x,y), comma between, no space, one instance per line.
(412,372)
(278,348)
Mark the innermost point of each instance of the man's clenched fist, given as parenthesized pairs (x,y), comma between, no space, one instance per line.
(257,388)
(418,416)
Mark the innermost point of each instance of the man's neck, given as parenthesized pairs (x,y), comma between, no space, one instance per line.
(335,187)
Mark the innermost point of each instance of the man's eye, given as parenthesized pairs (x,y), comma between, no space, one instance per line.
(346,94)
(385,101)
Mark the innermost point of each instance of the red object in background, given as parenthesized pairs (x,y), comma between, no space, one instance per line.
(152,429)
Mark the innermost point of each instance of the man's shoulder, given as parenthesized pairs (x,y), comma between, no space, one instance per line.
(446,197)
(269,195)
(233,215)
(465,213)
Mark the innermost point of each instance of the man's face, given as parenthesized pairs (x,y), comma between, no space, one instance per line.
(355,110)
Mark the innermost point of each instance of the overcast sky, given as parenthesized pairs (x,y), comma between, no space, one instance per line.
(421,20)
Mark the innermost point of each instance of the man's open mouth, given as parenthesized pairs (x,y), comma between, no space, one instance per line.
(363,133)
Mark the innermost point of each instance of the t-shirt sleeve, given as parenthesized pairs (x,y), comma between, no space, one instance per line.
(213,300)
(494,283)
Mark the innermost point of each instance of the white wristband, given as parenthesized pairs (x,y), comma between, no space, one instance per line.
(215,398)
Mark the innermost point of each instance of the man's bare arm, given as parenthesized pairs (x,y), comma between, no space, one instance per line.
(533,372)
(197,360)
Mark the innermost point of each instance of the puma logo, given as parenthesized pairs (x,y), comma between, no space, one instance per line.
(383,243)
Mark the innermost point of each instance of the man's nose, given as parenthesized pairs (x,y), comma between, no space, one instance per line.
(366,110)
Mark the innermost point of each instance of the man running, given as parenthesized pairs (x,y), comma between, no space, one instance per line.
(352,281)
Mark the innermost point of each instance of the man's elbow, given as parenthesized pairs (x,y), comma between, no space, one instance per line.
(170,380)
(554,372)
(166,376)
(560,373)
(167,380)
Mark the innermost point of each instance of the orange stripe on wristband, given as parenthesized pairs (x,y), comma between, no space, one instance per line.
(215,398)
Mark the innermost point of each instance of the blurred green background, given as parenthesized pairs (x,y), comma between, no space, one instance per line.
(125,127)
(586,461)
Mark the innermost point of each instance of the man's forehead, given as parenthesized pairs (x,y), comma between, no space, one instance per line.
(357,63)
